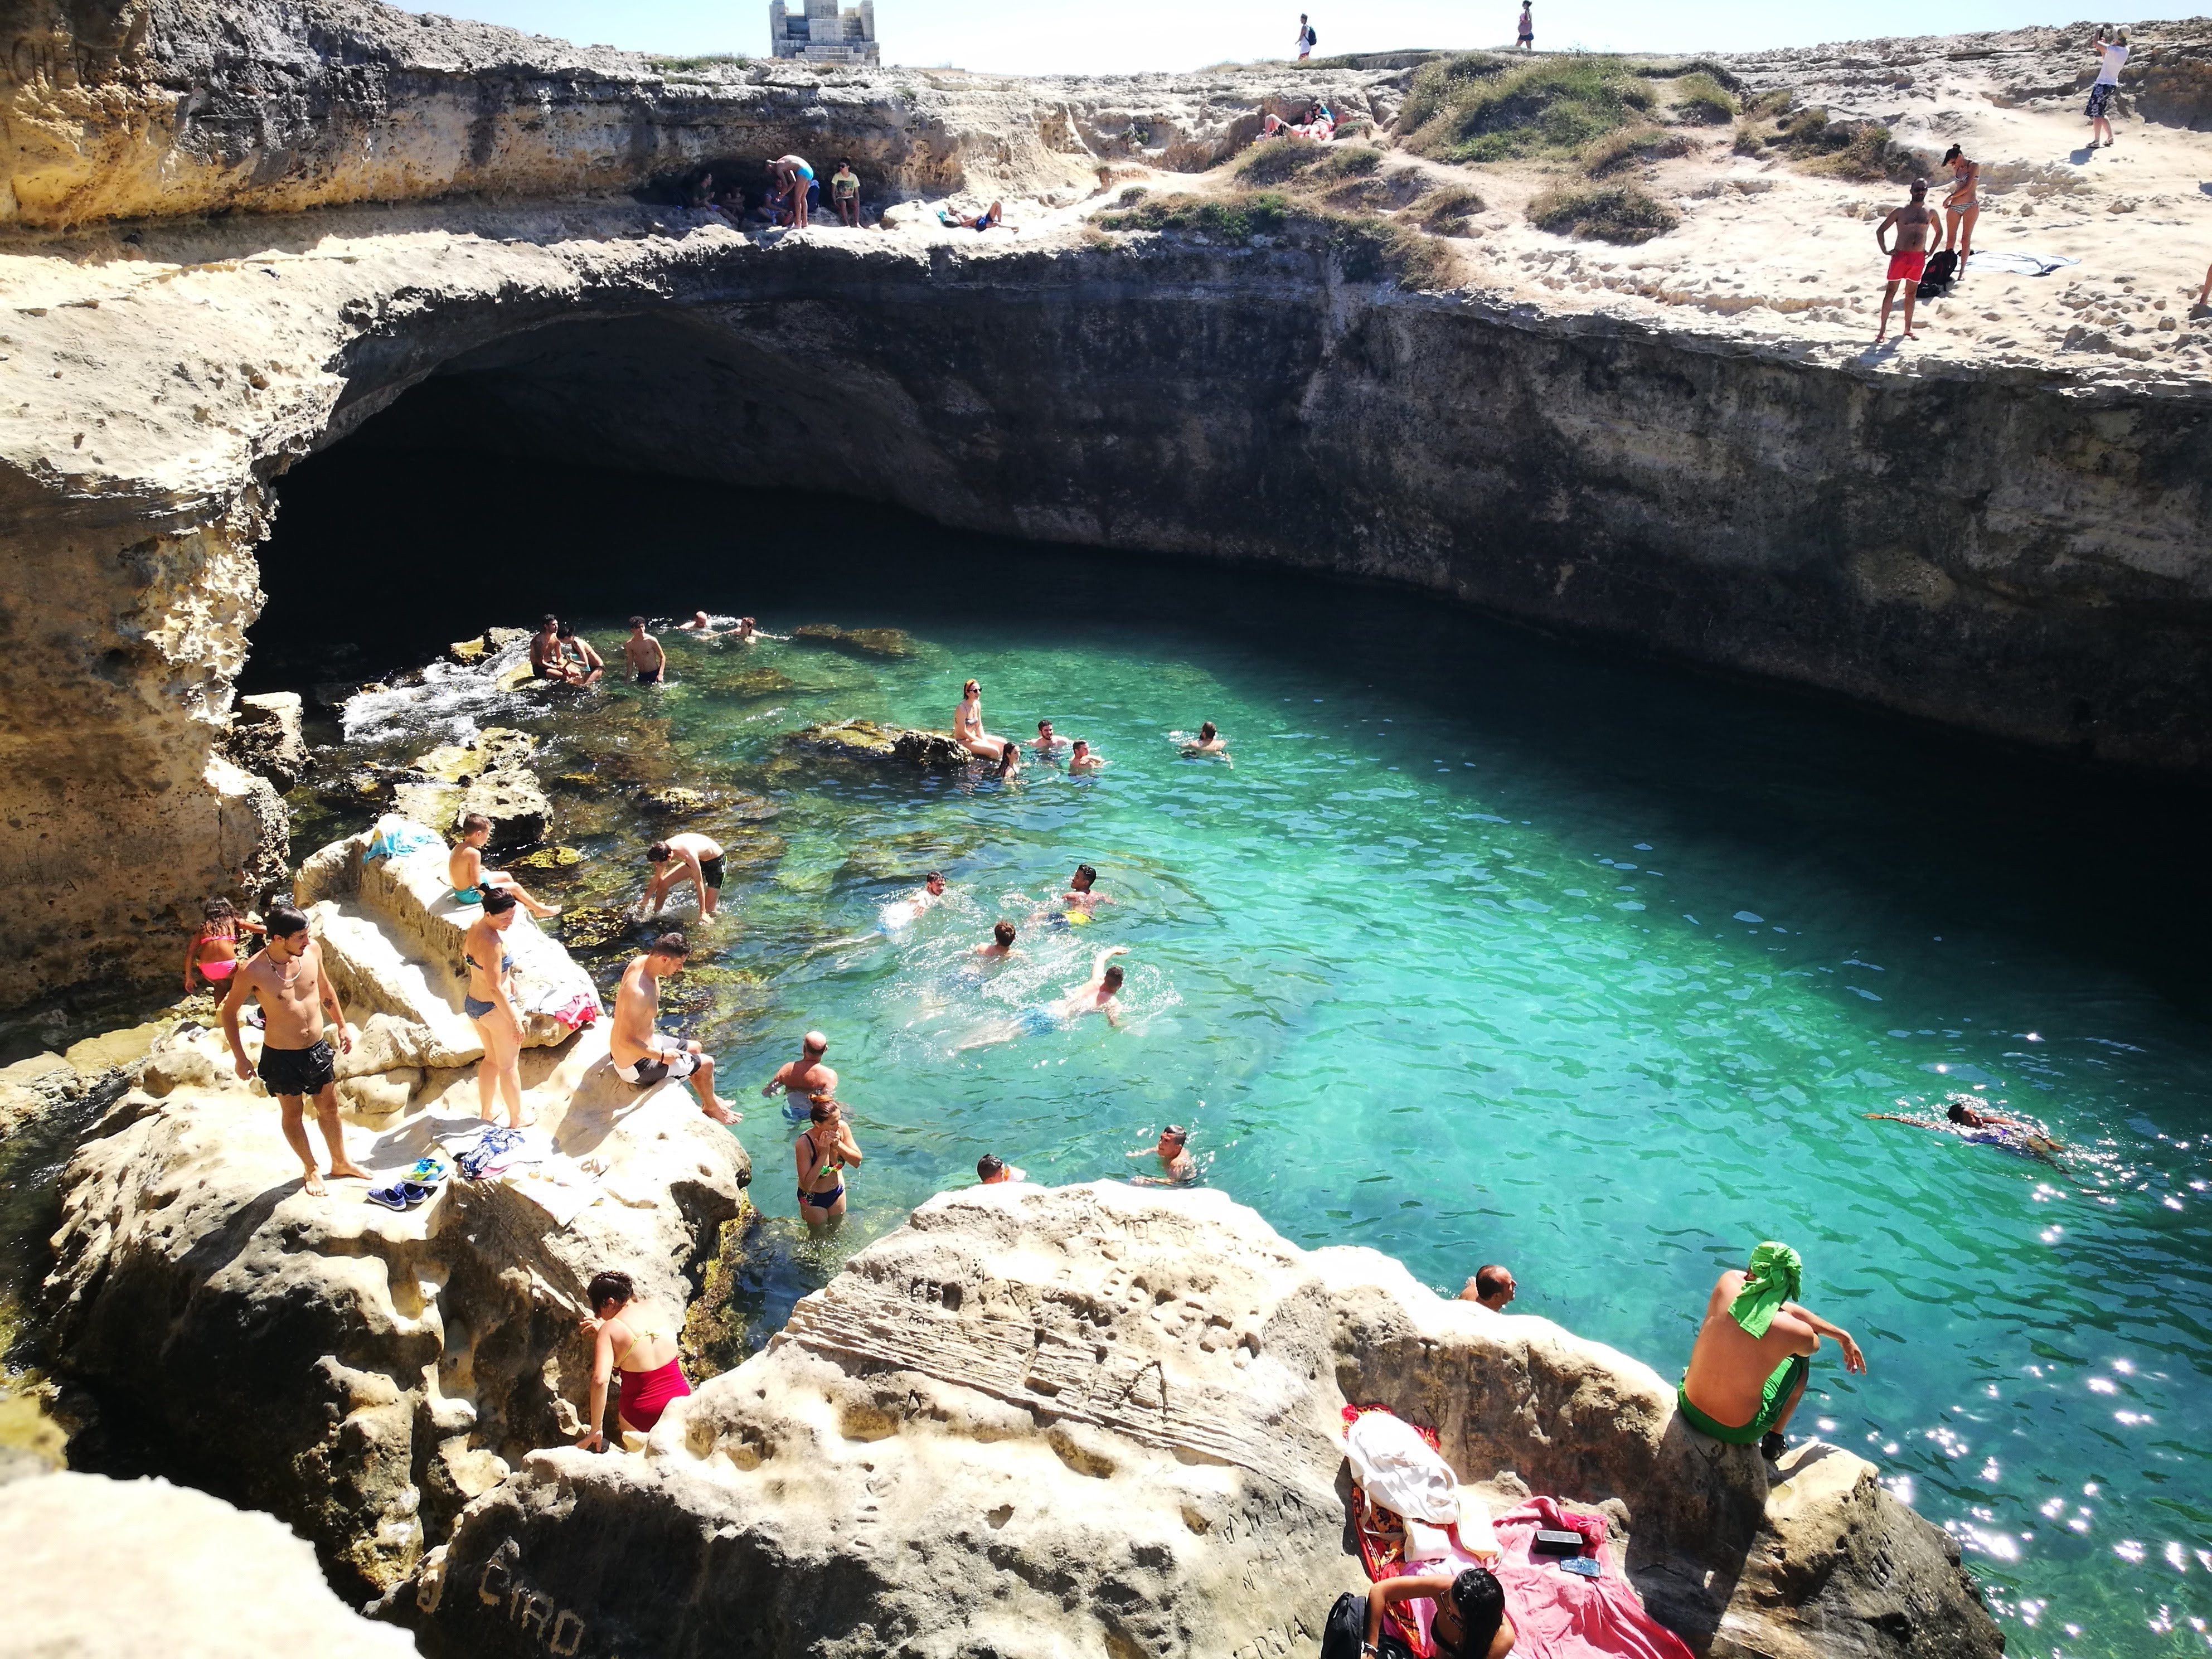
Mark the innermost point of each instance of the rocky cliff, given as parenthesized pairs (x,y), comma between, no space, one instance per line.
(1102,1422)
(2004,540)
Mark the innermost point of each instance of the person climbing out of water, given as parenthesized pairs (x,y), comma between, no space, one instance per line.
(1207,741)
(580,664)
(644,654)
(1491,1285)
(1914,223)
(212,957)
(687,856)
(545,649)
(643,1056)
(286,977)
(845,194)
(466,874)
(1002,941)
(1095,996)
(1046,742)
(1470,1620)
(824,1152)
(1963,205)
(968,724)
(1749,1366)
(992,1171)
(638,1338)
(806,1075)
(2112,54)
(489,1002)
(1177,1168)
(1083,758)
(1974,1119)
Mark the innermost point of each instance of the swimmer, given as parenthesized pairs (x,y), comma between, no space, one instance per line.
(1095,996)
(968,724)
(1078,899)
(992,1171)
(1009,761)
(1973,1120)
(690,857)
(1082,759)
(471,881)
(824,1152)
(699,625)
(1046,742)
(806,1075)
(1177,1168)
(1002,942)
(932,889)
(1207,741)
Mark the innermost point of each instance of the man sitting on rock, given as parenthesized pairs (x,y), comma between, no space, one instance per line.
(286,977)
(643,1056)
(465,869)
(1747,1369)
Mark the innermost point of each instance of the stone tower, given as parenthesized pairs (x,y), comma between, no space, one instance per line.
(825,34)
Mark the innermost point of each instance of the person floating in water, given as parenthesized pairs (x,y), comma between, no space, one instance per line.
(1747,1368)
(1002,942)
(991,1169)
(689,856)
(1207,741)
(1973,1120)
(628,1332)
(1083,758)
(806,1075)
(968,724)
(286,977)
(644,654)
(824,1152)
(471,881)
(212,957)
(1177,1168)
(1095,996)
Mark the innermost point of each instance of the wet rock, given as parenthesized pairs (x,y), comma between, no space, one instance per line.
(594,927)
(891,642)
(673,801)
(490,775)
(1113,1414)
(204,1578)
(870,740)
(756,683)
(908,855)
(488,644)
(31,1088)
(548,857)
(266,738)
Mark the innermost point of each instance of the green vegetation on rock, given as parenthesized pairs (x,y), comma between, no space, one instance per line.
(1700,97)
(1486,111)
(1637,143)
(1608,213)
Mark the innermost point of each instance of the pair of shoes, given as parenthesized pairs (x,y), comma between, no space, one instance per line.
(430,1171)
(402,1194)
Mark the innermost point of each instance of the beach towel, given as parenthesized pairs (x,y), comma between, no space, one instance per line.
(401,839)
(2019,265)
(1401,1469)
(1559,1614)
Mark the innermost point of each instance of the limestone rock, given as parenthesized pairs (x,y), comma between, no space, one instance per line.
(362,1373)
(1112,1414)
(491,774)
(203,1580)
(265,737)
(870,740)
(548,857)
(891,642)
(673,801)
(31,1088)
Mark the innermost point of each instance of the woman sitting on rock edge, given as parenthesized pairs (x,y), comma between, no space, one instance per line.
(632,1334)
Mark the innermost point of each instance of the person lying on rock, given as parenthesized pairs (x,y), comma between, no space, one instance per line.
(1747,1368)
(643,1056)
(968,724)
(489,1002)
(1177,1167)
(1470,1623)
(471,881)
(638,1337)
(824,1153)
(990,217)
(806,1075)
(644,654)
(580,664)
(689,856)
(296,996)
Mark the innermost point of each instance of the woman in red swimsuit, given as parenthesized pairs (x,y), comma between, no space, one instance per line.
(634,1336)
(212,957)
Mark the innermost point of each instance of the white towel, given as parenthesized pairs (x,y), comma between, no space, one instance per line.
(1399,1471)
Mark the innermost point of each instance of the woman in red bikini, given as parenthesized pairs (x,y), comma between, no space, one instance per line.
(212,957)
(634,1336)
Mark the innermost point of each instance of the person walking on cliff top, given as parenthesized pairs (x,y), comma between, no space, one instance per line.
(296,996)
(2112,53)
(1526,40)
(1307,38)
(1747,1368)
(644,654)
(1916,226)
(643,1056)
(845,194)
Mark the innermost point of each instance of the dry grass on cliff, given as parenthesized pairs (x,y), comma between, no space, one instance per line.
(1364,246)
(1608,213)
(1475,108)
(1858,150)
(1616,150)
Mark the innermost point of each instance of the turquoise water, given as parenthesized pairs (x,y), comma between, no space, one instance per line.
(1478,948)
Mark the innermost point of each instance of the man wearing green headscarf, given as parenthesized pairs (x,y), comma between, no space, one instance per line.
(1747,1369)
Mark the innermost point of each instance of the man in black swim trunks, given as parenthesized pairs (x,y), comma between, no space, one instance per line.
(286,977)
(545,650)
(644,654)
(687,857)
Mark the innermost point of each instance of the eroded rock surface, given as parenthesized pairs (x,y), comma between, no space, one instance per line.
(871,740)
(1099,1421)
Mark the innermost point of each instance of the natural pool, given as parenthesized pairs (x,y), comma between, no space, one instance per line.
(1483,948)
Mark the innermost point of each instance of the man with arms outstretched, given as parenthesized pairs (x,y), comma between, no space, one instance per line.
(286,977)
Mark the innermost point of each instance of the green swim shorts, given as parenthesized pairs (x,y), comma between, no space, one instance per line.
(1772,1400)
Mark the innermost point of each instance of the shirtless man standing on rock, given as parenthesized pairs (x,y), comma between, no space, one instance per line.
(286,976)
(643,1056)
(1917,225)
(1747,1368)
(806,1075)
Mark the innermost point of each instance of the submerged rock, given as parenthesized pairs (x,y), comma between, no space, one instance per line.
(105,1567)
(855,642)
(1104,1421)
(490,775)
(674,802)
(870,740)
(548,857)
(756,683)
(266,738)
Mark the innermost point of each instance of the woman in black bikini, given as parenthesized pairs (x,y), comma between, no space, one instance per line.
(823,1152)
(489,1004)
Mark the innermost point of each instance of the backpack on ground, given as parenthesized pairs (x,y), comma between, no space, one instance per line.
(1942,270)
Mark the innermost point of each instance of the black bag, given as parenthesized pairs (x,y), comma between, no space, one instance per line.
(1313,40)
(1942,270)
(1346,1628)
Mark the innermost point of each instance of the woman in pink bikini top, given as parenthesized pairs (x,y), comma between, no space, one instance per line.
(212,955)
(633,1335)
